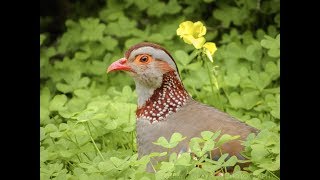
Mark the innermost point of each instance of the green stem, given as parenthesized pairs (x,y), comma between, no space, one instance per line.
(75,137)
(223,168)
(273,174)
(212,84)
(152,165)
(132,131)
(209,75)
(76,143)
(94,142)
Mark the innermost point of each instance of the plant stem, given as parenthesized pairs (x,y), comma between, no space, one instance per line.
(132,131)
(94,142)
(273,174)
(212,84)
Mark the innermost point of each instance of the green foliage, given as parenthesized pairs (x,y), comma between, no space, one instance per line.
(174,140)
(87,118)
(196,164)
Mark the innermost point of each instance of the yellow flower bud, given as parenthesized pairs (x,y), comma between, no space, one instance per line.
(211,47)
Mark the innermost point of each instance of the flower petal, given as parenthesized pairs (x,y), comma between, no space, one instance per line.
(188,39)
(208,54)
(211,47)
(198,43)
(199,29)
(185,28)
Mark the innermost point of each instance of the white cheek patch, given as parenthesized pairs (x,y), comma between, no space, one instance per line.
(155,53)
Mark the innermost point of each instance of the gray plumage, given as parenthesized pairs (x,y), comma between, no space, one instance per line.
(165,107)
(190,121)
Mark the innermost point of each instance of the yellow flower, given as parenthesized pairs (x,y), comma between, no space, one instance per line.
(185,28)
(192,33)
(210,48)
(199,29)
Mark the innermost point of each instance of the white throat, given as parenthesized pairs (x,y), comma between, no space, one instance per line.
(145,91)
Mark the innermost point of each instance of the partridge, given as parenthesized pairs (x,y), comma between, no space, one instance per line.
(165,107)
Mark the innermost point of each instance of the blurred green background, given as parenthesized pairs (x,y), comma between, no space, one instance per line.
(87,118)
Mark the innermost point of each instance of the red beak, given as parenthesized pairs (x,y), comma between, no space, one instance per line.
(120,64)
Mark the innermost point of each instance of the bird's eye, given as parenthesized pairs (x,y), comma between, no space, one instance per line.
(143,59)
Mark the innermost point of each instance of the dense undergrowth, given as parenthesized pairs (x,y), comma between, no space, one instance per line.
(87,118)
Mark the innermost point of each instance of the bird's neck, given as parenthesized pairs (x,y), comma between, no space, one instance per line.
(165,100)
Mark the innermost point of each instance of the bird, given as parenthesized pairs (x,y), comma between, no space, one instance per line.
(164,106)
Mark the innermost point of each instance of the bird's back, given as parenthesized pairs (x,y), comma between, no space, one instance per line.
(190,121)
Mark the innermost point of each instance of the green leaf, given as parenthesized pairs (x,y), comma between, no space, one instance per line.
(156,37)
(173,7)
(194,66)
(272,44)
(257,172)
(116,161)
(56,134)
(208,146)
(250,99)
(261,80)
(63,127)
(65,88)
(216,134)
(229,14)
(231,161)
(92,29)
(223,158)
(106,166)
(44,155)
(156,9)
(258,152)
(50,128)
(42,133)
(66,154)
(174,141)
(42,38)
(83,82)
(87,114)
(207,135)
(232,79)
(182,57)
(162,142)
(269,42)
(109,43)
(253,52)
(143,4)
(183,159)
(195,147)
(57,102)
(235,100)
(82,93)
(81,56)
(176,138)
(111,125)
(272,69)
(254,122)
(226,138)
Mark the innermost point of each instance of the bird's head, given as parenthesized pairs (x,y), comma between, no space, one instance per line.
(158,85)
(146,63)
